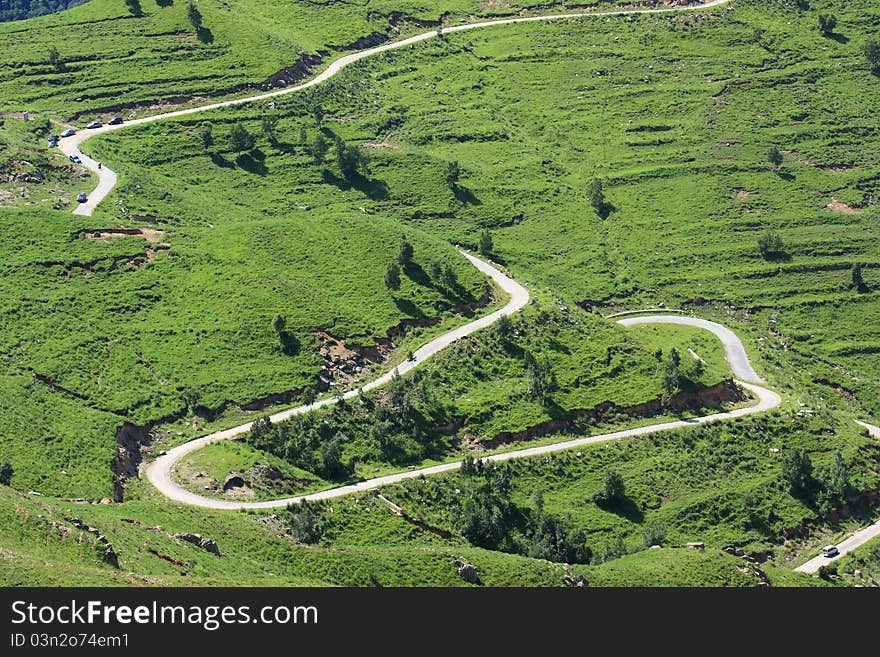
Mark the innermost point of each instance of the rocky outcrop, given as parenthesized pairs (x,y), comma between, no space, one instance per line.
(467,571)
(199,541)
(713,396)
(131,440)
(104,546)
(574,580)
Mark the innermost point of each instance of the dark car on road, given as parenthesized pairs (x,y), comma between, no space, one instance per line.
(75,159)
(93,125)
(70,132)
(81,197)
(116,120)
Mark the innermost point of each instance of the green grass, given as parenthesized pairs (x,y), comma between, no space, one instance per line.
(111,59)
(676,113)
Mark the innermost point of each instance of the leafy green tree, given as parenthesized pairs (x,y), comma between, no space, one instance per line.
(696,369)
(450,276)
(485,242)
(596,195)
(240,139)
(193,15)
(858,280)
(331,459)
(541,379)
(306,523)
(279,324)
(774,156)
(404,252)
(269,123)
(672,373)
(827,24)
(503,329)
(392,276)
(435,271)
(351,161)
(207,135)
(871,50)
(614,491)
(769,245)
(55,58)
(319,148)
(453,173)
(797,472)
(836,479)
(6,473)
(654,533)
(318,115)
(303,136)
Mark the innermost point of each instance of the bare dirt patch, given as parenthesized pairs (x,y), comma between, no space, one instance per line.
(743,194)
(106,234)
(380,145)
(837,206)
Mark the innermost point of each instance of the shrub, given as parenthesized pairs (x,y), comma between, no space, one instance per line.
(769,244)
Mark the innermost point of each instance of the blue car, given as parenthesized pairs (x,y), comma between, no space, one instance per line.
(53,141)
(81,197)
(75,159)
(70,132)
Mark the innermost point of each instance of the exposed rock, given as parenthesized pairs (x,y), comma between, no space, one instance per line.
(199,541)
(234,480)
(467,571)
(575,580)
(130,441)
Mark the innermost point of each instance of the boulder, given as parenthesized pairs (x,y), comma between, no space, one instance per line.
(199,541)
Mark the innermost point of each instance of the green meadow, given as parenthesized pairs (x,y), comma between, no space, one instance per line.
(171,324)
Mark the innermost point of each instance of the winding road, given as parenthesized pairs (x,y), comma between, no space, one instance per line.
(160,471)
(107,178)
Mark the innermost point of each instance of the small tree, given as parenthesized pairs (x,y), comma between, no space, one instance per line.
(404,252)
(858,281)
(541,379)
(240,139)
(279,324)
(6,473)
(303,136)
(503,329)
(774,157)
(871,51)
(797,472)
(654,533)
(672,373)
(392,276)
(207,135)
(596,195)
(194,16)
(827,24)
(450,277)
(269,123)
(485,242)
(55,58)
(306,522)
(696,369)
(318,114)
(319,148)
(453,173)
(769,244)
(351,160)
(614,491)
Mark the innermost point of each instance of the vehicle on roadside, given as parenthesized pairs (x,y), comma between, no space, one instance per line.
(70,132)
(830,551)
(116,120)
(81,197)
(93,125)
(75,159)
(53,141)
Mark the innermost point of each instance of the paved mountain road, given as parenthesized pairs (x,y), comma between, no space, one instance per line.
(107,178)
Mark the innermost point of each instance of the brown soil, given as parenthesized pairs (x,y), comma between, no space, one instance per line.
(380,145)
(742,193)
(837,206)
(106,234)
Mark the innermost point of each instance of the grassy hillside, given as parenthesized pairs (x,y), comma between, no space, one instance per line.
(109,59)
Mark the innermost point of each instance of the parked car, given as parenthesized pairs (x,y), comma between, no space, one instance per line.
(94,124)
(81,197)
(70,132)
(53,141)
(116,120)
(75,159)
(830,551)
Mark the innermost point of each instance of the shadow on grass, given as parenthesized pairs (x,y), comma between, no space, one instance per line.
(375,190)
(205,35)
(785,175)
(781,256)
(221,161)
(624,508)
(407,307)
(465,195)
(839,38)
(290,344)
(252,163)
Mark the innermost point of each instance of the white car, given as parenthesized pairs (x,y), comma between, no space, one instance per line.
(830,551)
